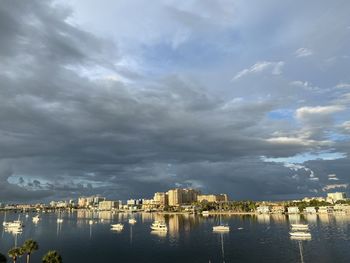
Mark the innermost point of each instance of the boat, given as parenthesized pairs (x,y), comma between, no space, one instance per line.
(117,227)
(159,226)
(300,226)
(300,234)
(300,231)
(13,224)
(205,213)
(59,219)
(221,227)
(132,221)
(36,219)
(91,222)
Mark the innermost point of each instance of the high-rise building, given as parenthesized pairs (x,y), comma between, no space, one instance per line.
(178,196)
(334,197)
(108,205)
(161,199)
(175,197)
(212,198)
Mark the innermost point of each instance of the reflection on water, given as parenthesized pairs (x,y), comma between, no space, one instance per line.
(262,238)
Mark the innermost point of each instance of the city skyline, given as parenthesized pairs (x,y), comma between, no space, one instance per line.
(129,98)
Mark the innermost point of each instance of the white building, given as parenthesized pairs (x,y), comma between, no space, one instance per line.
(325,209)
(293,210)
(310,210)
(334,197)
(263,209)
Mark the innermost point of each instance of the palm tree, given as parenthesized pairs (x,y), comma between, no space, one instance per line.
(3,259)
(52,257)
(29,247)
(15,252)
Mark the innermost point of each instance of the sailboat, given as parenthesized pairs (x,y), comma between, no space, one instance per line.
(59,219)
(221,227)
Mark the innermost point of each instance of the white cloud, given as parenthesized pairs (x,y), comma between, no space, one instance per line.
(306,112)
(275,68)
(342,85)
(303,84)
(303,52)
(284,140)
(346,126)
(334,186)
(333,177)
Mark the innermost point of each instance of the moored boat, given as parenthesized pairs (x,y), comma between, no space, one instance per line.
(159,226)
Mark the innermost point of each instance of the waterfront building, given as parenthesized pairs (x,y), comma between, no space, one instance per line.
(278,209)
(134,202)
(263,209)
(293,210)
(309,199)
(91,201)
(341,208)
(108,205)
(325,209)
(161,199)
(212,198)
(177,197)
(334,197)
(310,210)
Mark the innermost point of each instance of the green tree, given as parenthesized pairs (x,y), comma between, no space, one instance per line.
(15,253)
(29,247)
(52,257)
(3,259)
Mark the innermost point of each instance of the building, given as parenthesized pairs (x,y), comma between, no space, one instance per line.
(108,205)
(334,197)
(309,199)
(310,210)
(91,201)
(212,198)
(134,202)
(325,209)
(263,209)
(278,209)
(161,199)
(293,210)
(341,208)
(175,197)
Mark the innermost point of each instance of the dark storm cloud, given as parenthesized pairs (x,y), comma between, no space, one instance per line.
(120,134)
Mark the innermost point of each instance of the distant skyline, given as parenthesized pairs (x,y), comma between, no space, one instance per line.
(125,98)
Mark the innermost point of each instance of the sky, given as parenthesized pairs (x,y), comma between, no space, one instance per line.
(124,98)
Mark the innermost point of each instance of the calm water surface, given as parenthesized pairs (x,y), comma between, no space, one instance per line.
(190,238)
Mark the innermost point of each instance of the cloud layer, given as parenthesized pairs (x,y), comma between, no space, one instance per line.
(167,94)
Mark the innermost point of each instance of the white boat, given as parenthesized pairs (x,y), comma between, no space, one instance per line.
(91,222)
(221,228)
(300,234)
(36,219)
(300,226)
(59,220)
(13,224)
(159,226)
(132,221)
(205,213)
(117,227)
